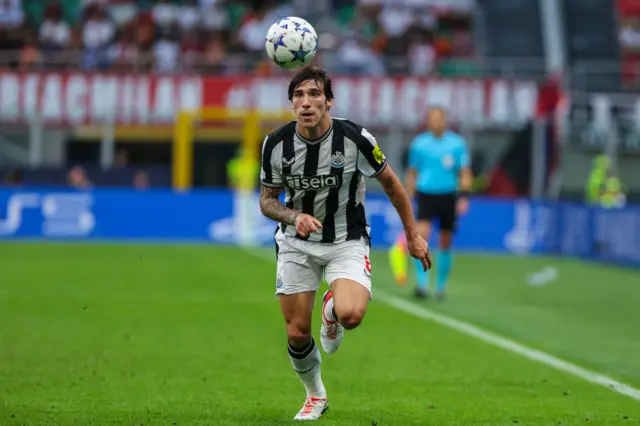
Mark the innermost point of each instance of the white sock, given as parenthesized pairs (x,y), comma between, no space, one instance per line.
(328,310)
(306,363)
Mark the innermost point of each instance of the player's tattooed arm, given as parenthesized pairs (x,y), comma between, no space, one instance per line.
(398,196)
(271,207)
(418,247)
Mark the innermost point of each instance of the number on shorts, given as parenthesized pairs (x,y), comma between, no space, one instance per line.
(367,263)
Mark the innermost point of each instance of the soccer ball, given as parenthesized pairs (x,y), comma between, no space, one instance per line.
(291,42)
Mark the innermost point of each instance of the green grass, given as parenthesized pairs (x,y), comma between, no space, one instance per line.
(164,335)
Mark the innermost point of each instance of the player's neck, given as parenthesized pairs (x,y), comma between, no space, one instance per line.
(317,132)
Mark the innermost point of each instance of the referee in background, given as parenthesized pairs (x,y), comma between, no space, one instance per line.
(439,177)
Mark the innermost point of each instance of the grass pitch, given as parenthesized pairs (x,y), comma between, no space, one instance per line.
(192,335)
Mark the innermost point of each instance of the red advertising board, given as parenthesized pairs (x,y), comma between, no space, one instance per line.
(82,98)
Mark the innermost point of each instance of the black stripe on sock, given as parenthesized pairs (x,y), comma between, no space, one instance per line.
(301,353)
(333,311)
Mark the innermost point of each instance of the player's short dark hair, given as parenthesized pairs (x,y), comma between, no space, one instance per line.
(315,73)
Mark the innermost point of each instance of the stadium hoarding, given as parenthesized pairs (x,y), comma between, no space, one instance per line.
(518,227)
(74,99)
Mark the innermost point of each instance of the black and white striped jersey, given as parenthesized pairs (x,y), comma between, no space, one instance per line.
(325,177)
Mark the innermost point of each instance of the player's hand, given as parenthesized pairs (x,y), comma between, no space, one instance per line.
(419,249)
(306,224)
(462,206)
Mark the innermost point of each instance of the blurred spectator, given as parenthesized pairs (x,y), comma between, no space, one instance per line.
(422,55)
(55,33)
(30,56)
(227,36)
(214,17)
(11,14)
(141,180)
(165,52)
(12,178)
(358,58)
(122,12)
(164,13)
(189,15)
(77,178)
(124,54)
(97,34)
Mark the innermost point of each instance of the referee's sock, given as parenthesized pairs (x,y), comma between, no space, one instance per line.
(444,267)
(422,276)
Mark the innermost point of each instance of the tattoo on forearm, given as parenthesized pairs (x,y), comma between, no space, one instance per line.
(271,207)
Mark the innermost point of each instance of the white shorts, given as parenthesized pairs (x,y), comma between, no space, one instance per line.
(302,264)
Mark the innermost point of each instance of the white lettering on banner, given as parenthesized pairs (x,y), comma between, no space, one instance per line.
(189,94)
(521,239)
(78,98)
(365,99)
(104,97)
(384,112)
(127,100)
(499,109)
(525,100)
(237,97)
(67,215)
(382,101)
(52,98)
(410,108)
(532,225)
(15,205)
(142,101)
(342,95)
(30,104)
(139,99)
(76,93)
(163,105)
(270,95)
(10,94)
(64,215)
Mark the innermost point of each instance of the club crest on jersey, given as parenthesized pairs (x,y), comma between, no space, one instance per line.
(337,159)
(302,182)
(447,161)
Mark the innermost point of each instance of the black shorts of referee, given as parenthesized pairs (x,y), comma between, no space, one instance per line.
(440,207)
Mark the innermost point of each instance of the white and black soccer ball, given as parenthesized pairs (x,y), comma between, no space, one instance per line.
(291,42)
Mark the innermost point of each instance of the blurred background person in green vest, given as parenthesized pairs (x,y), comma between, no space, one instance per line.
(243,173)
(603,187)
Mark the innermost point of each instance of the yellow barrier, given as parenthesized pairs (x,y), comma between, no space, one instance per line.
(252,134)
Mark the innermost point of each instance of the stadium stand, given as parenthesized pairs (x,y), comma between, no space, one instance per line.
(415,37)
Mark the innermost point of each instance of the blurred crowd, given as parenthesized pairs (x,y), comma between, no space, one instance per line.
(373,37)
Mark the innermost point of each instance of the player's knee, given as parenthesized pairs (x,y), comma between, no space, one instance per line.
(445,240)
(351,318)
(298,334)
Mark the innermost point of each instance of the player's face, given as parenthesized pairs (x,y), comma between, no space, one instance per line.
(436,120)
(310,103)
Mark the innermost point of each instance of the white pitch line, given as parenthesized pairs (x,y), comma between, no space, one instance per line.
(491,338)
(507,344)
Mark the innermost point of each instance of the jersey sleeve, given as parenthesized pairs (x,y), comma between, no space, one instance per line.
(371,160)
(270,171)
(415,160)
(463,155)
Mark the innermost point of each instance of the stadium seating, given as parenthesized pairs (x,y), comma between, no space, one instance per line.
(220,36)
